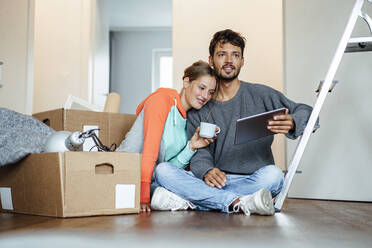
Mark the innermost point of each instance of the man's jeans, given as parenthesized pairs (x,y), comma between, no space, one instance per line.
(186,185)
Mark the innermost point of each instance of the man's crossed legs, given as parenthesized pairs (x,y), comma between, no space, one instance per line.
(252,190)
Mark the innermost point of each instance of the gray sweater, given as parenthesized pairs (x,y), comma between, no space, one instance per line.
(246,158)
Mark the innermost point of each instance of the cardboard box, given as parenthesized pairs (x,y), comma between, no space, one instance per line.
(72,184)
(113,126)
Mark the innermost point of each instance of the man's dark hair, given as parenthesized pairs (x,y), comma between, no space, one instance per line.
(225,36)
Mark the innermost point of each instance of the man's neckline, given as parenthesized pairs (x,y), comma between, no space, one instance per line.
(234,95)
(231,99)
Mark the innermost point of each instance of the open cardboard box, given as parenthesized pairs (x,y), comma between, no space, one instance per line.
(113,126)
(75,183)
(72,184)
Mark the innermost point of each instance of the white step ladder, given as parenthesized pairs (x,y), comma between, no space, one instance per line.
(346,45)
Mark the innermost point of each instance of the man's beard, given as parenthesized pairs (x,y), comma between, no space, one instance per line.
(228,78)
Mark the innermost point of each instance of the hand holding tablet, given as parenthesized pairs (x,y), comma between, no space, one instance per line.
(281,123)
(262,125)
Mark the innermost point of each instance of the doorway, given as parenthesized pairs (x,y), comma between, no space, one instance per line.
(140,49)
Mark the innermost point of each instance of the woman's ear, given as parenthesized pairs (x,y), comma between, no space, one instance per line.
(186,82)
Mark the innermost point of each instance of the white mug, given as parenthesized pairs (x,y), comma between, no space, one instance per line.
(208,130)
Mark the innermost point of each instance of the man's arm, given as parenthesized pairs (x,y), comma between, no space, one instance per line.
(294,122)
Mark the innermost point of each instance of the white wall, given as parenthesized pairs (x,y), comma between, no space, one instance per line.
(132,64)
(195,22)
(16,36)
(63,52)
(101,74)
(337,163)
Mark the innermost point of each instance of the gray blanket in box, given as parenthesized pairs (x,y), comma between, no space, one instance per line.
(20,135)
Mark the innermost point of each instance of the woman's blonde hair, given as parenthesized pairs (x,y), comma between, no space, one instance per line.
(198,69)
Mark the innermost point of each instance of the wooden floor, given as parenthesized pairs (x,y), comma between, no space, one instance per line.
(302,223)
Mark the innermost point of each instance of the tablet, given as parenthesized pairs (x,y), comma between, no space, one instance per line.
(255,126)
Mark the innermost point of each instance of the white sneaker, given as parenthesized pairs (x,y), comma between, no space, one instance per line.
(260,203)
(163,199)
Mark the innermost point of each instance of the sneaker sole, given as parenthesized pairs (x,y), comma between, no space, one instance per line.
(155,199)
(265,201)
(158,204)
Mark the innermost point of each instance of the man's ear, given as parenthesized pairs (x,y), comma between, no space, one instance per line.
(186,82)
(242,61)
(210,59)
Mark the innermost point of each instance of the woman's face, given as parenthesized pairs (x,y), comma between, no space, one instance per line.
(199,91)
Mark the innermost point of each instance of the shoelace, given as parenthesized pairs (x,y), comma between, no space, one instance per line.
(185,204)
(237,207)
(192,206)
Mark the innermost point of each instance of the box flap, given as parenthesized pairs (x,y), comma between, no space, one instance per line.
(75,120)
(52,118)
(119,125)
(113,126)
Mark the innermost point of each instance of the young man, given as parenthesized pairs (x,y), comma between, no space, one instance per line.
(225,176)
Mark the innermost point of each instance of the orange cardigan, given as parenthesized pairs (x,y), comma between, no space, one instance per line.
(156,107)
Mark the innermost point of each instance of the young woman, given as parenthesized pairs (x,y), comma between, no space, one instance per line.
(159,132)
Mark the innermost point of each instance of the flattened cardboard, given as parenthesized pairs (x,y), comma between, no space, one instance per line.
(71,184)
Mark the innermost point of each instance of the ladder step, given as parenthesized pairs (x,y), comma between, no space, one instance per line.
(360,44)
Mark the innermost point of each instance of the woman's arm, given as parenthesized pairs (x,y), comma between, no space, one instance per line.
(196,142)
(156,112)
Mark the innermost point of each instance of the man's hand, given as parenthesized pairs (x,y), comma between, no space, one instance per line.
(281,123)
(215,178)
(145,207)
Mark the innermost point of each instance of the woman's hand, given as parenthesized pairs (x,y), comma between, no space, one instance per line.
(145,207)
(197,142)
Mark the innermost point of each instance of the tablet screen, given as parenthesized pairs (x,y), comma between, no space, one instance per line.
(255,126)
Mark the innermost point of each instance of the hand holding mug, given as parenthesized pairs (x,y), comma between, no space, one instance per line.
(197,141)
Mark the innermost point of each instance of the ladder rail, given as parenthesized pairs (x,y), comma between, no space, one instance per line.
(319,103)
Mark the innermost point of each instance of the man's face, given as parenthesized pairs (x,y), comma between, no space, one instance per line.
(227,61)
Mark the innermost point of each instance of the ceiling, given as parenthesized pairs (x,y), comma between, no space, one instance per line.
(124,14)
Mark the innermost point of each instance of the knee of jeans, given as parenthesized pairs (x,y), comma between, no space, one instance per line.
(162,171)
(273,178)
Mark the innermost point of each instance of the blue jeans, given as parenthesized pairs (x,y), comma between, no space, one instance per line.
(186,185)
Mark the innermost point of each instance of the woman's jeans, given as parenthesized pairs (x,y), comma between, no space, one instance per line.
(186,185)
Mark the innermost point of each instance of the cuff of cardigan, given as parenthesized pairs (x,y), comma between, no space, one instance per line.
(145,192)
(185,156)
